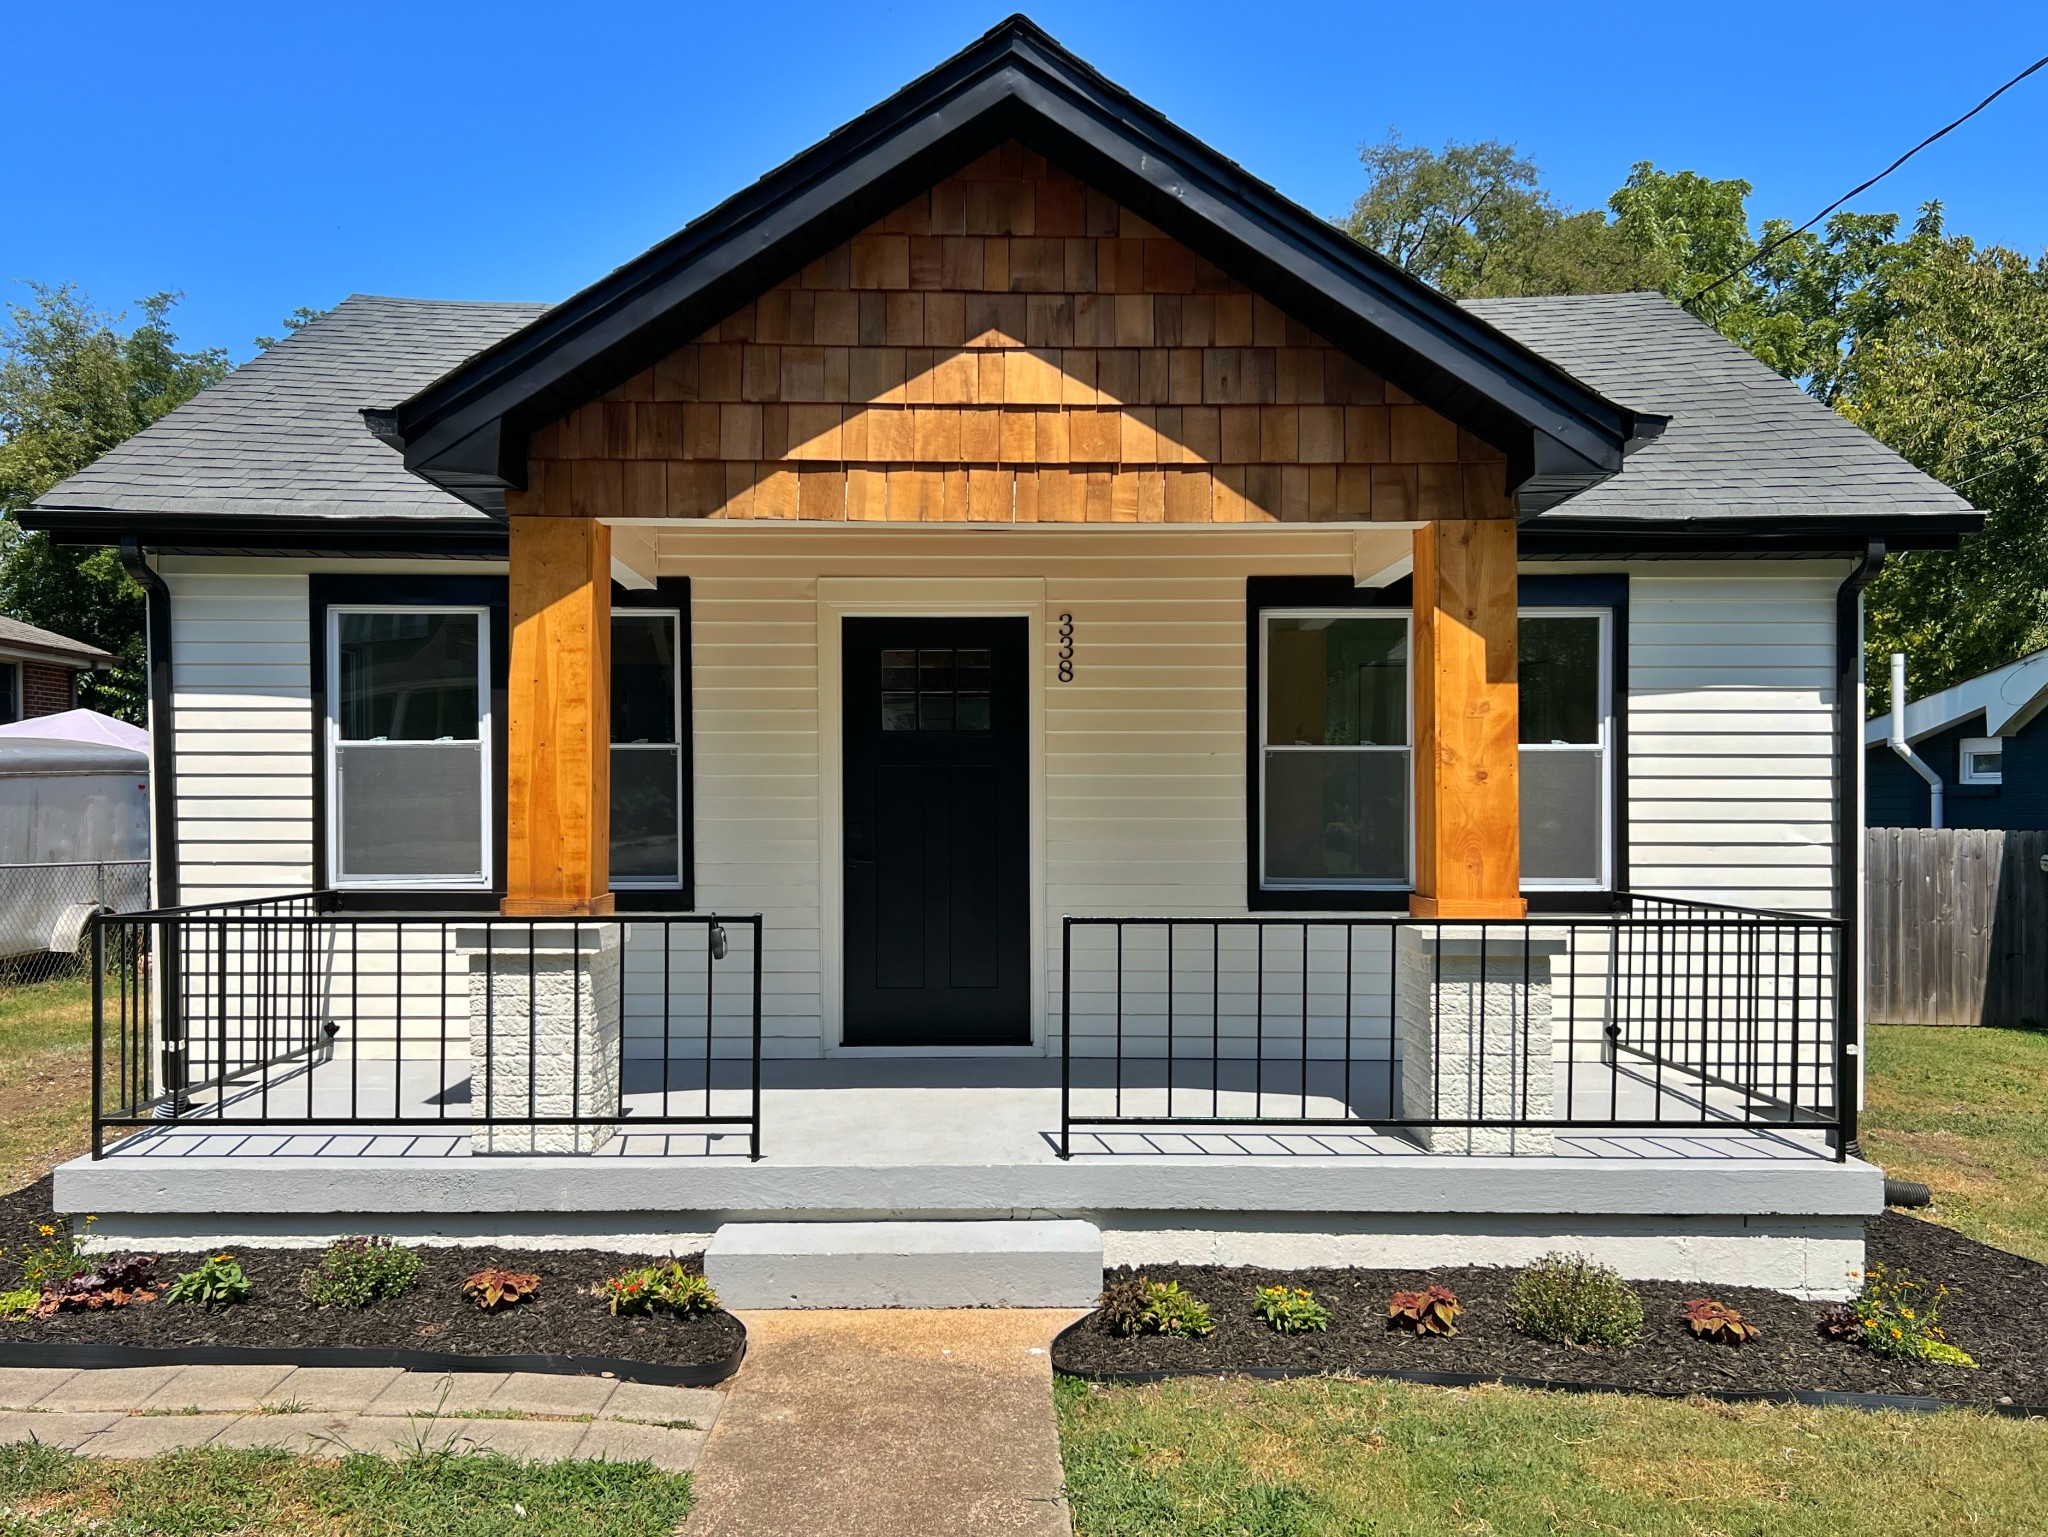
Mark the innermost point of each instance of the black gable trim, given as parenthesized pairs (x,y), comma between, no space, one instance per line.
(467,432)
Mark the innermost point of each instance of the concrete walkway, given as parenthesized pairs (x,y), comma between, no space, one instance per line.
(934,1423)
(329,1411)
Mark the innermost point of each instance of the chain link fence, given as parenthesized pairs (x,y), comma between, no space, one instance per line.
(44,910)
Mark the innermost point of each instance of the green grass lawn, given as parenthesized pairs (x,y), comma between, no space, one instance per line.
(1325,1458)
(216,1493)
(1966,1113)
(45,1077)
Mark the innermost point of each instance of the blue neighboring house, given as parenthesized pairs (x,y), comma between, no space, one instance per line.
(1986,739)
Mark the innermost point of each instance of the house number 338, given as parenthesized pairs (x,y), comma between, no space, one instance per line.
(1066,651)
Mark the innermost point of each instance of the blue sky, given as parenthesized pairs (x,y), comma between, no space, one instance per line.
(264,156)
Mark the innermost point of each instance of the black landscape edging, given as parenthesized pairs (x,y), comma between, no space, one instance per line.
(76,1355)
(1909,1403)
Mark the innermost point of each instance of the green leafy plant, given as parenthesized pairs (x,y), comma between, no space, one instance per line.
(1178,1313)
(355,1272)
(56,1256)
(1434,1310)
(218,1282)
(1138,1306)
(1290,1310)
(114,1283)
(19,1304)
(1899,1315)
(492,1288)
(1569,1300)
(1717,1321)
(664,1288)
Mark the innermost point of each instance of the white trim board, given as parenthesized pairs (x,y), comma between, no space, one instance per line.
(840,598)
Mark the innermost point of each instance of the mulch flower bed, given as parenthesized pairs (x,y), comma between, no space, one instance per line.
(1997,1310)
(563,1319)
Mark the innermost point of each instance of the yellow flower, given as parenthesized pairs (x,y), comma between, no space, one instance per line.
(47,1231)
(92,1219)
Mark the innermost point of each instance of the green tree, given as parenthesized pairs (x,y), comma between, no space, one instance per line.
(1958,384)
(72,385)
(1936,347)
(1475,221)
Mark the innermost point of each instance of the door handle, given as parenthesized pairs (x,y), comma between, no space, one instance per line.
(860,861)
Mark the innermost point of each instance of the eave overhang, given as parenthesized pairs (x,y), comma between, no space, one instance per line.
(467,432)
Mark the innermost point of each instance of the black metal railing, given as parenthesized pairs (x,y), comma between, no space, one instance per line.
(531,1035)
(1469,1035)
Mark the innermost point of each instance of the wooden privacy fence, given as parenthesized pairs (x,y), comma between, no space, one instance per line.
(1958,926)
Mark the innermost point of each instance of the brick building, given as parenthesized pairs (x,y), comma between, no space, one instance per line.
(39,670)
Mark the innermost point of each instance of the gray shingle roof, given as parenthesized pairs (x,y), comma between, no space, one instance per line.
(28,637)
(1744,441)
(282,436)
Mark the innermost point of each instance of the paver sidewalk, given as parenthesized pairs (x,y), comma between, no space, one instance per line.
(935,1424)
(330,1411)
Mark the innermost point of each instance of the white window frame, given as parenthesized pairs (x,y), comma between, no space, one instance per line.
(1605,879)
(332,763)
(674,616)
(14,670)
(1407,750)
(1965,775)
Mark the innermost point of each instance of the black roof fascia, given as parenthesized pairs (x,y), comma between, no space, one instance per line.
(467,431)
(1556,538)
(239,533)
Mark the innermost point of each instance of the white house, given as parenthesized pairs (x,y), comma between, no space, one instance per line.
(1007,671)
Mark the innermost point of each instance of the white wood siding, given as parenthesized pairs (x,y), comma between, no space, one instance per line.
(240,654)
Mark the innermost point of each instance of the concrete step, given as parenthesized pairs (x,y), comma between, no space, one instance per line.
(1055,1264)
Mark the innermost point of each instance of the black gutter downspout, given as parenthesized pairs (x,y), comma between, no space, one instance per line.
(163,789)
(1849,842)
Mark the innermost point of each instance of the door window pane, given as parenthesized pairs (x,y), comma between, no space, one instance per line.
(643,677)
(1563,819)
(408,677)
(1560,675)
(1336,682)
(1336,817)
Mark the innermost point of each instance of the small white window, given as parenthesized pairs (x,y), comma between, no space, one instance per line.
(1567,726)
(1982,760)
(1334,759)
(409,761)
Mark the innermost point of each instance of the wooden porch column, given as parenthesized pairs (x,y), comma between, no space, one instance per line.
(558,735)
(1468,832)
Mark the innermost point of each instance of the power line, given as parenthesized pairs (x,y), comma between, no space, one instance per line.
(1772,245)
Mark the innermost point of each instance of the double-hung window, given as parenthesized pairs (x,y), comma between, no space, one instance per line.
(1567,726)
(648,786)
(1334,761)
(1335,771)
(408,740)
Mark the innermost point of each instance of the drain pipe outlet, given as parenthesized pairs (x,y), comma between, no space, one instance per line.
(1903,748)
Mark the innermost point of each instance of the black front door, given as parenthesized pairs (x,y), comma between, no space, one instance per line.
(937,760)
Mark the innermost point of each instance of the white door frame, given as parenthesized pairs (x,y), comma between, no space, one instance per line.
(843,597)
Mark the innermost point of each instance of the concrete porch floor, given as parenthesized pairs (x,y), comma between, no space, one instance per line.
(899,1112)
